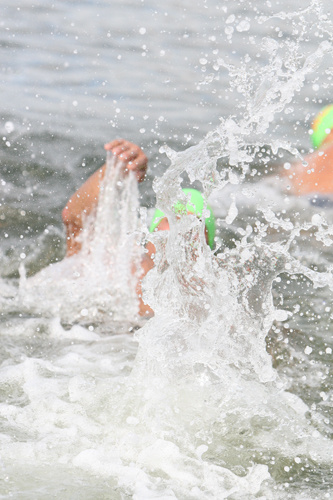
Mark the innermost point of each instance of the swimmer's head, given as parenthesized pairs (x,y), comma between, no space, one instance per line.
(322,126)
(195,206)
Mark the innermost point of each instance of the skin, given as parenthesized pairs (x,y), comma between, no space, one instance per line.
(85,199)
(317,176)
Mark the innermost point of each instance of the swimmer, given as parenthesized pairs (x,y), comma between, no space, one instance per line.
(85,199)
(317,175)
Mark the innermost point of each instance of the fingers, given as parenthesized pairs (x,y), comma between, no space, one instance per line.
(119,146)
(126,150)
(131,155)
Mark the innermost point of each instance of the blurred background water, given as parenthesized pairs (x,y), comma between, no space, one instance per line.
(75,75)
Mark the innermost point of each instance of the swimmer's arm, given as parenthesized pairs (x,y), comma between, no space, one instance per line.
(78,206)
(315,175)
(85,198)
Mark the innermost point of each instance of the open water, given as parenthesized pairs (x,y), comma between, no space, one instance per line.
(227,392)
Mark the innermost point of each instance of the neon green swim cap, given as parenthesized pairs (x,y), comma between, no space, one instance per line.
(195,206)
(322,122)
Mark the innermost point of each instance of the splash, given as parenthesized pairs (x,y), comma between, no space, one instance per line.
(203,413)
(99,283)
(203,384)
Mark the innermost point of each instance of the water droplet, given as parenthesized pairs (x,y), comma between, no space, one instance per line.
(230,19)
(243,26)
(132,420)
(9,127)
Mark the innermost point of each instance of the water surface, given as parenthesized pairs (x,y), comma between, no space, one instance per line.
(201,413)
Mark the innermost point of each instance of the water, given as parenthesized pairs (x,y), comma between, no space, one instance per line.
(227,391)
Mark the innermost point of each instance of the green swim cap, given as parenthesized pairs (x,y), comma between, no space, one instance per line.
(195,206)
(322,122)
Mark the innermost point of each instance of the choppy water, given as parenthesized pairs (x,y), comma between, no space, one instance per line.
(227,392)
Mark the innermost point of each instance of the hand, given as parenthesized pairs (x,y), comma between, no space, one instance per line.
(131,155)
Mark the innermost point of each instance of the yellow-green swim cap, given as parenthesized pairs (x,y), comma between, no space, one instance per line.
(195,206)
(321,124)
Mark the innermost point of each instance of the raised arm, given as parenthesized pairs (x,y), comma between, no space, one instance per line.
(85,198)
(316,176)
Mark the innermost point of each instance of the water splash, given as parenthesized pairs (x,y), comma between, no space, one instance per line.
(99,283)
(203,413)
(203,383)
